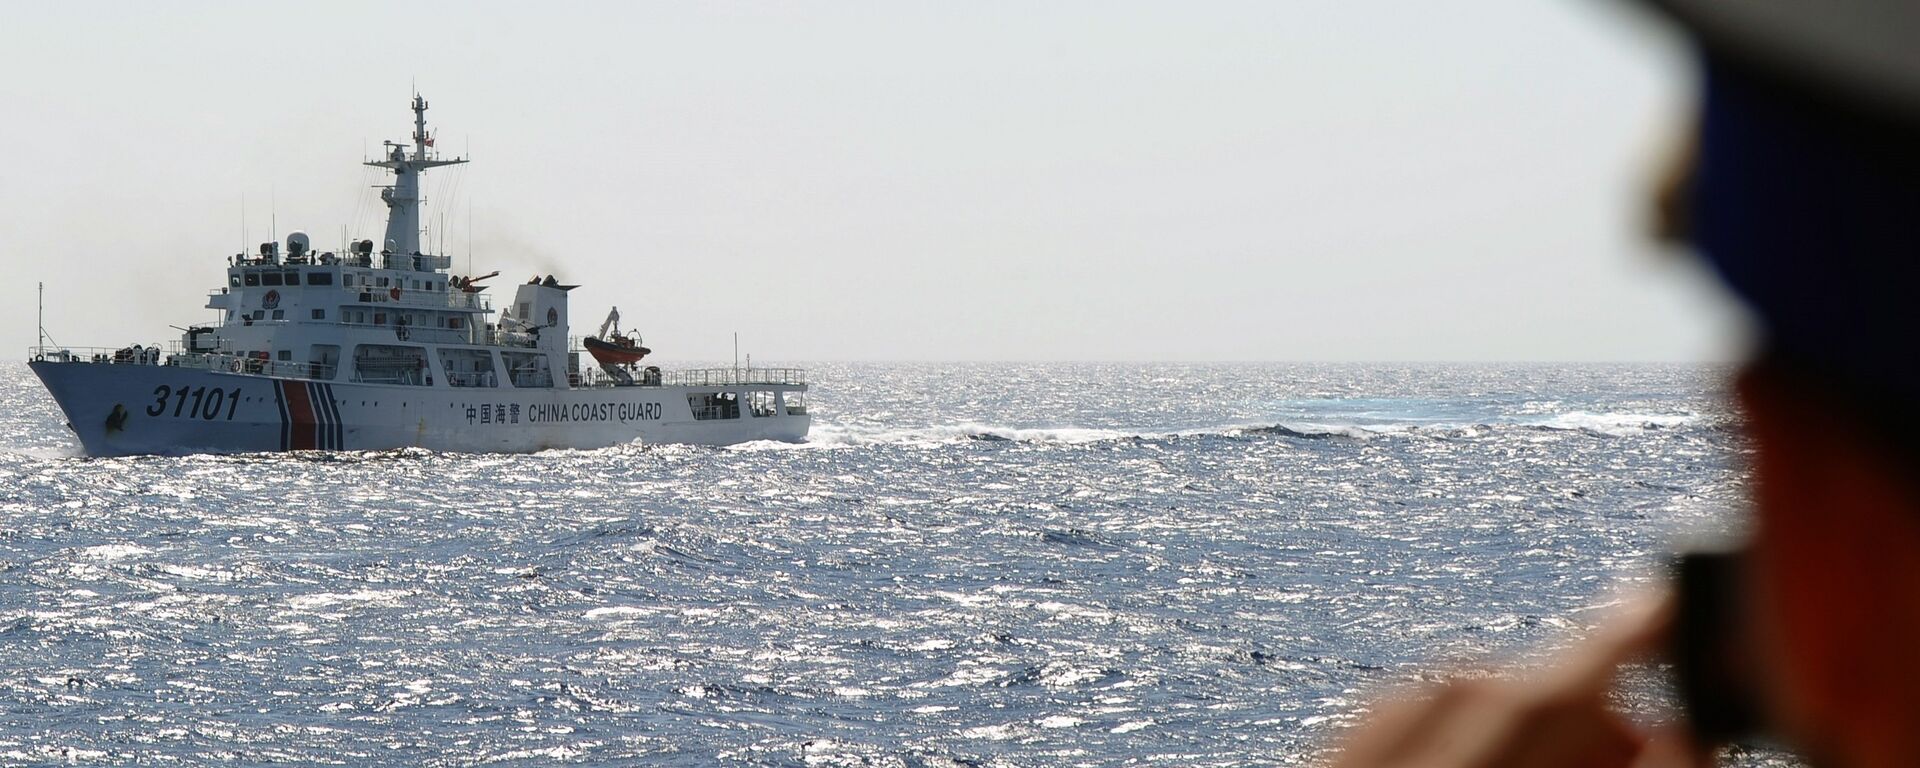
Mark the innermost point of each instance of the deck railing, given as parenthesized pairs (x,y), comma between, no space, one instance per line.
(454,299)
(200,361)
(414,262)
(407,376)
(130,355)
(592,376)
(285,369)
(495,337)
(530,379)
(410,298)
(733,377)
(470,379)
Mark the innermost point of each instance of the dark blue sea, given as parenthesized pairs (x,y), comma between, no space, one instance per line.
(967,564)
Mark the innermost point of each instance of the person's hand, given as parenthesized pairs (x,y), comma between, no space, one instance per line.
(1558,719)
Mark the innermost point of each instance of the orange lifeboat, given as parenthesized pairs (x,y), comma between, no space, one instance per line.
(615,350)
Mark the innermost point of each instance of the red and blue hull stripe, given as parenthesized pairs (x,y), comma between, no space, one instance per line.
(309,418)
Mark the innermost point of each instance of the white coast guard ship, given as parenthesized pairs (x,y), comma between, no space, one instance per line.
(380,348)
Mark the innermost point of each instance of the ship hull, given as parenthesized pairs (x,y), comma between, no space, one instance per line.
(119,410)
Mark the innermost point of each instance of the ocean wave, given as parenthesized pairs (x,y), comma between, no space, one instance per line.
(837,436)
(112,552)
(1611,424)
(1306,431)
(1616,423)
(59,452)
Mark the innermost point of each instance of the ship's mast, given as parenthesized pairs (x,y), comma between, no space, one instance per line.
(403,198)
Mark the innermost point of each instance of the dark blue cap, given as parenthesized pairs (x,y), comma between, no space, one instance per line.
(1810,210)
(1806,193)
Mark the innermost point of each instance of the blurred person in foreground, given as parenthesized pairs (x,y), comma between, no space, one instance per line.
(1801,186)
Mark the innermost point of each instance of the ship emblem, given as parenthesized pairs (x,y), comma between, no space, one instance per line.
(271,300)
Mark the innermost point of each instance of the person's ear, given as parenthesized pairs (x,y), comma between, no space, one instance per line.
(1672,214)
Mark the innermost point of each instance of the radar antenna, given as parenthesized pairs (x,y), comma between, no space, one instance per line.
(403,197)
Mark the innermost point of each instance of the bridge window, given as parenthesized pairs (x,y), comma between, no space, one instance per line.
(528,369)
(270,278)
(468,367)
(762,403)
(794,402)
(252,278)
(319,278)
(714,405)
(390,364)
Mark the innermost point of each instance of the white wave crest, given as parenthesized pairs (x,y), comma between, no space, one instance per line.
(313,602)
(836,436)
(112,552)
(1616,423)
(47,454)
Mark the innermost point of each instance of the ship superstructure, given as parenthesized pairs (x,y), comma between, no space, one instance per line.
(379,346)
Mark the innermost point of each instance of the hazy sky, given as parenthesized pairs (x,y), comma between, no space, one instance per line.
(1263,180)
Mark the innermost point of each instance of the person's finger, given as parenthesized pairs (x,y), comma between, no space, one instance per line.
(1404,724)
(1640,628)
(1559,719)
(1672,747)
(1517,728)
(1586,735)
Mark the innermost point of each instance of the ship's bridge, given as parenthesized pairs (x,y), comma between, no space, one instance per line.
(358,288)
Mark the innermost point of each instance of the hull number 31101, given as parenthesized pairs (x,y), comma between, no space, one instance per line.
(208,402)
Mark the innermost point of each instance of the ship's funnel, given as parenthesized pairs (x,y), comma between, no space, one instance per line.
(543,309)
